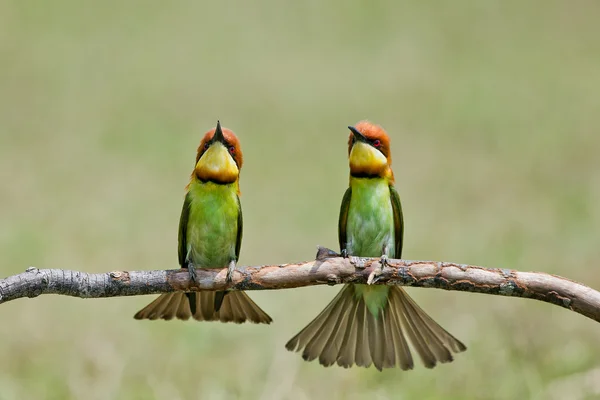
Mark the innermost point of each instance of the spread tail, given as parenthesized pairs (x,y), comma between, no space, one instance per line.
(347,333)
(235,307)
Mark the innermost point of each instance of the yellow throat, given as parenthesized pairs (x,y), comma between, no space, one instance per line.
(367,160)
(216,164)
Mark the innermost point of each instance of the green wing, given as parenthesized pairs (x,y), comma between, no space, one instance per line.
(183,223)
(342,237)
(182,248)
(240,227)
(398,221)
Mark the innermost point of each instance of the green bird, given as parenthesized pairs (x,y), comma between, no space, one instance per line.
(210,236)
(369,324)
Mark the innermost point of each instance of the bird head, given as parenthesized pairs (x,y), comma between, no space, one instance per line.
(219,158)
(369,151)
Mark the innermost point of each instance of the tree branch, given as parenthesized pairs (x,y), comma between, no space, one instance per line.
(441,275)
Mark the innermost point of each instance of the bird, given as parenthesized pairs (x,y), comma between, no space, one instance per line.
(368,325)
(210,236)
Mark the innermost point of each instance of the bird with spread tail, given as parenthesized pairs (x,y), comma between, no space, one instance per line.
(370,324)
(210,236)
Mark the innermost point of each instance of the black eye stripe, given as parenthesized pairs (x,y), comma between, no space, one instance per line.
(371,141)
(211,141)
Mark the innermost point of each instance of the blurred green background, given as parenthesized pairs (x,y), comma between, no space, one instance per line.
(494,111)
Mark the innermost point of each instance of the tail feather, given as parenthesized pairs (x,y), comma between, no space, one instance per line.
(334,339)
(315,346)
(447,339)
(182,305)
(395,334)
(415,336)
(432,340)
(348,346)
(206,308)
(159,306)
(347,333)
(172,307)
(219,296)
(299,341)
(363,353)
(228,312)
(192,300)
(236,307)
(239,309)
(388,356)
(376,338)
(243,306)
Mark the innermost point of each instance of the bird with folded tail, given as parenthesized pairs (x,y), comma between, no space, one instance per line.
(370,324)
(210,236)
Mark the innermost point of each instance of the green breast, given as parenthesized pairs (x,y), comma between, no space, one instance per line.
(212,226)
(370,224)
(370,232)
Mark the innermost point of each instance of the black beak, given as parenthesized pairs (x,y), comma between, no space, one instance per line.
(357,135)
(218,137)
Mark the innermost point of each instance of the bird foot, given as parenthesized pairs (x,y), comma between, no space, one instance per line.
(383,260)
(374,275)
(192,271)
(230,270)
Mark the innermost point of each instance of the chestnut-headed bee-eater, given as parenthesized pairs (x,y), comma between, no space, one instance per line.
(369,324)
(210,236)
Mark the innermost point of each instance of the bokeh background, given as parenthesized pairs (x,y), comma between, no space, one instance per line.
(494,111)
